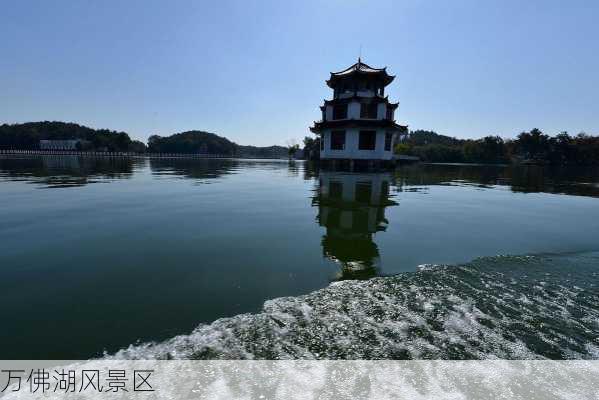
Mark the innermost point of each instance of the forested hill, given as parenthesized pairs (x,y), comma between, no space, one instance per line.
(193,142)
(27,136)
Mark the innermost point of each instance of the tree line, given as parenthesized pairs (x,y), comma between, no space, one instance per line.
(533,146)
(27,136)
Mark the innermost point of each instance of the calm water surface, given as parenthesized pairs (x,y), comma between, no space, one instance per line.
(97,254)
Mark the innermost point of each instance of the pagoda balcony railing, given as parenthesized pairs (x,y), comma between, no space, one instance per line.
(358,93)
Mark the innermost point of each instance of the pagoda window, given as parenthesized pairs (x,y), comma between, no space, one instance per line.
(337,140)
(367,140)
(368,110)
(388,141)
(321,142)
(340,111)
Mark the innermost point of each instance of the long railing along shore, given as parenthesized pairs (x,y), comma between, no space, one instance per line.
(115,154)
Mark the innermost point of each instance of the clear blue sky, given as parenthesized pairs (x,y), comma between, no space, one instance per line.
(254,71)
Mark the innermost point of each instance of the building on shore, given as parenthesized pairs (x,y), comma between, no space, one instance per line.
(70,144)
(358,124)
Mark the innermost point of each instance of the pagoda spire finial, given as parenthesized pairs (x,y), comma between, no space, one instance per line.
(360,55)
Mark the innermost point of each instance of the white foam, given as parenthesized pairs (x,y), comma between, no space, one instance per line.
(474,311)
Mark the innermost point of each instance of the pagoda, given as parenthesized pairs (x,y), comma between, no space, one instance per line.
(358,124)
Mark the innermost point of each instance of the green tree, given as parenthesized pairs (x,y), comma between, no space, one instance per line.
(311,148)
(292,149)
(533,144)
(490,149)
(402,148)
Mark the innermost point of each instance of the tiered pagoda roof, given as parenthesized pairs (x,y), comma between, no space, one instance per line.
(360,69)
(350,77)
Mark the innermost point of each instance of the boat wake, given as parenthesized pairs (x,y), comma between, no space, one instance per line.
(505,307)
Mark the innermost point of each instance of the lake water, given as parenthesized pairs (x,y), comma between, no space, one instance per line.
(100,254)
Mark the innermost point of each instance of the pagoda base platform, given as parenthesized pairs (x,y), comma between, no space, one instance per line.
(353,165)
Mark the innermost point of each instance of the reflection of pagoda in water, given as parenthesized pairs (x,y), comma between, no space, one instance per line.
(352,208)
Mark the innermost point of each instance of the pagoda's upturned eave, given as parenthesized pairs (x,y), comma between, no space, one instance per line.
(387,79)
(353,123)
(359,66)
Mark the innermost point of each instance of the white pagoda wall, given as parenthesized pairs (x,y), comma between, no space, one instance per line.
(353,111)
(351,151)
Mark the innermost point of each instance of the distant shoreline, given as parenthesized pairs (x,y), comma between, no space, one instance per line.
(109,154)
(131,154)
